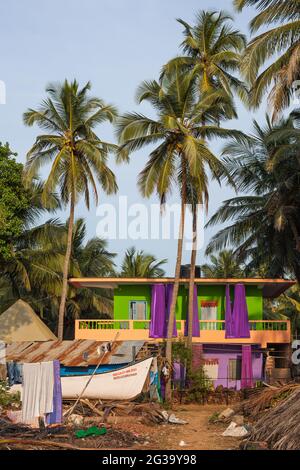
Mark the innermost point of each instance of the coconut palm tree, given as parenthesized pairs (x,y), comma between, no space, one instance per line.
(277,49)
(34,272)
(180,141)
(141,264)
(88,259)
(34,266)
(14,272)
(265,222)
(78,157)
(223,265)
(212,50)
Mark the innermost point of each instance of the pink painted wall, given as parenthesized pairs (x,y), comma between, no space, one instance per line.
(223,353)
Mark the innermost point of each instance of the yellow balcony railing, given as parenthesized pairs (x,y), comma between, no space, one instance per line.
(261,331)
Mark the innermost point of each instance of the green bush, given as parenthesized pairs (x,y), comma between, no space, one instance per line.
(8,399)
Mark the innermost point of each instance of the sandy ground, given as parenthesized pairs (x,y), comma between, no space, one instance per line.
(198,434)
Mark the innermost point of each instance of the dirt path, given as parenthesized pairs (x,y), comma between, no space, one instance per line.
(197,434)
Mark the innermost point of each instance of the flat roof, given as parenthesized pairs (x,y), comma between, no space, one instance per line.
(271,287)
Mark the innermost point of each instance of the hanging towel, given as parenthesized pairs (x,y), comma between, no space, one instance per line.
(2,353)
(31,392)
(3,371)
(37,392)
(47,384)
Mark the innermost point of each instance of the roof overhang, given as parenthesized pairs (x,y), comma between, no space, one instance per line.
(271,288)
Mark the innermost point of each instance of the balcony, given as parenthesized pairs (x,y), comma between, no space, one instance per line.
(261,331)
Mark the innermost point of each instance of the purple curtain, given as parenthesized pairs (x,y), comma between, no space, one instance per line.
(247,372)
(195,327)
(56,416)
(229,333)
(169,293)
(158,311)
(240,321)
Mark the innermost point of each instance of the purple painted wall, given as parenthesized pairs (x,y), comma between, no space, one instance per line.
(223,353)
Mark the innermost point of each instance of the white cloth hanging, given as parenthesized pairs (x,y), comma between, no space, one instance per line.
(37,391)
(47,384)
(2,353)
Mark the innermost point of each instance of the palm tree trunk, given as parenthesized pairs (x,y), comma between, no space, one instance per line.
(61,314)
(168,392)
(296,235)
(192,280)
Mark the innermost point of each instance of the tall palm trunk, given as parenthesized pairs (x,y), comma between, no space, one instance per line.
(61,314)
(192,280)
(168,392)
(296,235)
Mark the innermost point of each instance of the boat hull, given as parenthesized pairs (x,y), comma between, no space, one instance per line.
(121,384)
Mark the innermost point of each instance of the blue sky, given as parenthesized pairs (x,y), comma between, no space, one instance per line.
(115,44)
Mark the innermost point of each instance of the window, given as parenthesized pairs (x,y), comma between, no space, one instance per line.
(235,369)
(137,309)
(209,312)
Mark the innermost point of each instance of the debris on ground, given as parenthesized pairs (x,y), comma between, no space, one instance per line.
(226,413)
(248,445)
(234,430)
(77,420)
(238,420)
(20,436)
(91,431)
(91,425)
(172,419)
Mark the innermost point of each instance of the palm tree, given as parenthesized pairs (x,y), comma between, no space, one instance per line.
(197,195)
(79,157)
(265,224)
(141,264)
(24,257)
(180,149)
(90,259)
(278,47)
(34,272)
(212,50)
(223,265)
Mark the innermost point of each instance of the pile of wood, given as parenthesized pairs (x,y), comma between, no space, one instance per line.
(150,413)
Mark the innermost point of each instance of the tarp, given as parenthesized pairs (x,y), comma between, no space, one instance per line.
(20,323)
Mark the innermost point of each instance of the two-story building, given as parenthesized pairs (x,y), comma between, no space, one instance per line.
(230,333)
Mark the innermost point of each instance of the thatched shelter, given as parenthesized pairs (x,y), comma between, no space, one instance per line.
(279,427)
(20,323)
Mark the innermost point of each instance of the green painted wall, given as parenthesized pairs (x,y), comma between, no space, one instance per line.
(124,294)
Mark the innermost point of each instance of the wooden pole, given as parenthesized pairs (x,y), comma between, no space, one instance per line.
(90,378)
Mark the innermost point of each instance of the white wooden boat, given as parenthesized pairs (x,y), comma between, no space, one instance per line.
(121,384)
